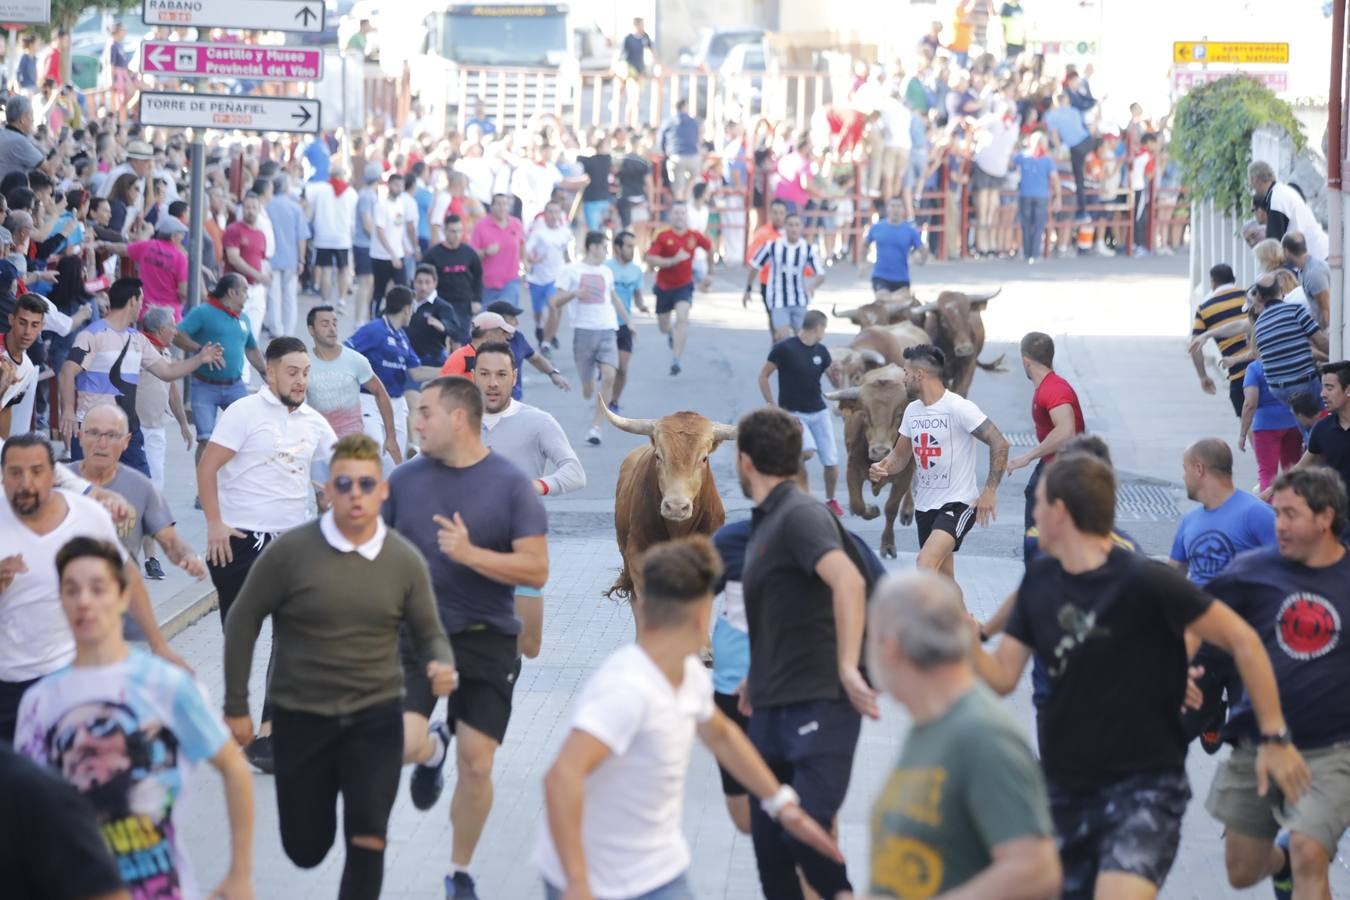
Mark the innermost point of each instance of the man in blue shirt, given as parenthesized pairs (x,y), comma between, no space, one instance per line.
(291,229)
(1066,128)
(385,344)
(628,286)
(679,141)
(896,239)
(1227,523)
(1037,192)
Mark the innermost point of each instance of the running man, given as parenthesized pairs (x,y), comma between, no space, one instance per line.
(766,233)
(534,442)
(336,376)
(672,255)
(938,434)
(896,239)
(547,250)
(628,285)
(482,528)
(1055,412)
(595,332)
(800,361)
(337,590)
(795,273)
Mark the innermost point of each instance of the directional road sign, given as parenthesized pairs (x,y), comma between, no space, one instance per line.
(26,12)
(257,15)
(182,59)
(228,113)
(1221,52)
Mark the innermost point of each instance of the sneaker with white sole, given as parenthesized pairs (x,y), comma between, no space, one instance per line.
(427,782)
(593,436)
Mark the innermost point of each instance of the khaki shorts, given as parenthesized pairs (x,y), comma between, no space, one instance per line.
(1323,814)
(894,161)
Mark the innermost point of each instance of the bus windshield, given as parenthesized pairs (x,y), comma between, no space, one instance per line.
(506,36)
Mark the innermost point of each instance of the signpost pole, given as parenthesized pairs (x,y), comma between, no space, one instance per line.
(197,207)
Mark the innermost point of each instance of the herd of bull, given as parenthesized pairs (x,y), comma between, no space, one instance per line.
(666,487)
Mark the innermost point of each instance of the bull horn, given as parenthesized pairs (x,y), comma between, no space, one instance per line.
(849,393)
(644,427)
(850,314)
(924,309)
(723,432)
(872,356)
(985,296)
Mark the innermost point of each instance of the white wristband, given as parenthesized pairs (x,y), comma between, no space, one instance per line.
(774,806)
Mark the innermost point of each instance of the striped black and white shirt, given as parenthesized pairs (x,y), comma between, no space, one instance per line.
(1282,333)
(787,271)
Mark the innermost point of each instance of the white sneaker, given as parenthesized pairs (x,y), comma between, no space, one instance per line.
(593,436)
(1103,250)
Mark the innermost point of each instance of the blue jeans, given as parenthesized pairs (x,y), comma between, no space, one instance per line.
(671,890)
(539,294)
(208,398)
(594,212)
(509,292)
(1031,215)
(1304,399)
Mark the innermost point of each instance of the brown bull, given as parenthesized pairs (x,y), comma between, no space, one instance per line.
(666,488)
(955,325)
(872,412)
(878,312)
(874,347)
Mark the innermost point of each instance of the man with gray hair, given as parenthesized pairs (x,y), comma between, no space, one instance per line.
(1285,209)
(18,153)
(966,800)
(291,230)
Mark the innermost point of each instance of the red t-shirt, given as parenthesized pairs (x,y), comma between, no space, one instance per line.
(251,243)
(667,244)
(1051,392)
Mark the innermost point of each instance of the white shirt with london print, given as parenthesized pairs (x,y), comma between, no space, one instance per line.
(944,450)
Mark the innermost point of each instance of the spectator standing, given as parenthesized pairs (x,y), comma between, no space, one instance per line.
(292,234)
(794,177)
(1285,209)
(26,73)
(363,233)
(332,205)
(162,264)
(1276,440)
(1314,276)
(459,272)
(635,53)
(597,197)
(245,251)
(18,152)
(984,812)
(1286,336)
(388,242)
(1038,193)
(499,239)
(1065,126)
(896,144)
(681,143)
(156,398)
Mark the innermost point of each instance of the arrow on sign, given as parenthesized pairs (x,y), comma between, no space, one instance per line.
(302,117)
(306,15)
(158,57)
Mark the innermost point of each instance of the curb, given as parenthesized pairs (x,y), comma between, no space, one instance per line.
(185,609)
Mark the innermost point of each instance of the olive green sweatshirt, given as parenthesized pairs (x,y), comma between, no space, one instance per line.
(335,623)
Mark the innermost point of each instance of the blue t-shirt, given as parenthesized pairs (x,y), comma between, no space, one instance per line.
(424,198)
(894,244)
(425,487)
(627,280)
(1067,122)
(1271,414)
(365,208)
(520,351)
(206,324)
(1208,539)
(1298,613)
(1036,172)
(390,353)
(74,239)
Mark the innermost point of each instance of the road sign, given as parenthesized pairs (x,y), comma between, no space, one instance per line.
(182,59)
(26,12)
(256,15)
(1219,52)
(229,113)
(1184,80)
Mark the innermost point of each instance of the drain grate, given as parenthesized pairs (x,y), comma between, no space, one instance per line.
(1146,501)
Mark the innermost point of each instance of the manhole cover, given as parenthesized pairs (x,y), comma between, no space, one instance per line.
(1146,501)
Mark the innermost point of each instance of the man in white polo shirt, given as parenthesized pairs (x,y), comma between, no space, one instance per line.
(255,479)
(36,520)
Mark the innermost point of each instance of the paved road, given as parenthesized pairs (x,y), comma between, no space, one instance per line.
(1118,325)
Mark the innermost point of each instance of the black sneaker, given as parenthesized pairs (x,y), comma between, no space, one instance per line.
(555,344)
(460,887)
(670,340)
(153,570)
(675,368)
(427,782)
(259,753)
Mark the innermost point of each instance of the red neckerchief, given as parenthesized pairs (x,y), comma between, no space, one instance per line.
(212,301)
(339,185)
(156,341)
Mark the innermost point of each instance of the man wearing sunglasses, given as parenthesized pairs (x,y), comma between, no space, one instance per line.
(338,591)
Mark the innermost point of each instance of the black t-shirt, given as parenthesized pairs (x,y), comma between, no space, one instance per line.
(632,176)
(55,849)
(428,342)
(799,371)
(459,273)
(1298,611)
(790,611)
(1113,649)
(633,47)
(1332,442)
(597,170)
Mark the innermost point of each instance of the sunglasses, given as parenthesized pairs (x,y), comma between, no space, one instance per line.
(343,484)
(97,729)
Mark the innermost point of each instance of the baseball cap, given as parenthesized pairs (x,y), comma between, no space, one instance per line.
(140,150)
(371,173)
(168,225)
(504,308)
(486,321)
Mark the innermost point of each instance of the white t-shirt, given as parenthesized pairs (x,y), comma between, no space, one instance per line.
(593,306)
(631,819)
(533,184)
(1285,199)
(944,450)
(410,214)
(335,389)
(895,117)
(552,245)
(994,144)
(334,216)
(35,639)
(18,396)
(389,216)
(266,485)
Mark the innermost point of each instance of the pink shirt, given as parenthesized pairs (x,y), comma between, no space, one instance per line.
(504,265)
(793,172)
(163,266)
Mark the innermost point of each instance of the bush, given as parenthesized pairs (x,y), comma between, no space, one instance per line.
(1212,136)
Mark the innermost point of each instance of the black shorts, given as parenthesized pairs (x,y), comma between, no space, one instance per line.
(1235,396)
(727,703)
(625,339)
(954,518)
(666,299)
(361,260)
(488,663)
(326,258)
(885,284)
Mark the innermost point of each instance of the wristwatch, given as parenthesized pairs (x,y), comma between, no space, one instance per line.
(774,806)
(1282,737)
(554,372)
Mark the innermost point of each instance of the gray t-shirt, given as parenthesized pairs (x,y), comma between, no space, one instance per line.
(1315,277)
(498,504)
(152,512)
(18,152)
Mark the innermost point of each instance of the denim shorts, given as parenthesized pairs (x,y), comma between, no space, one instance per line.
(539,294)
(509,292)
(671,890)
(207,398)
(818,435)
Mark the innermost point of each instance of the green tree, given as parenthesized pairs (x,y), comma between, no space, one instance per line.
(65,13)
(1212,136)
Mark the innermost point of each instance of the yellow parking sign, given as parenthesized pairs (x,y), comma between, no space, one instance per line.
(1229,52)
